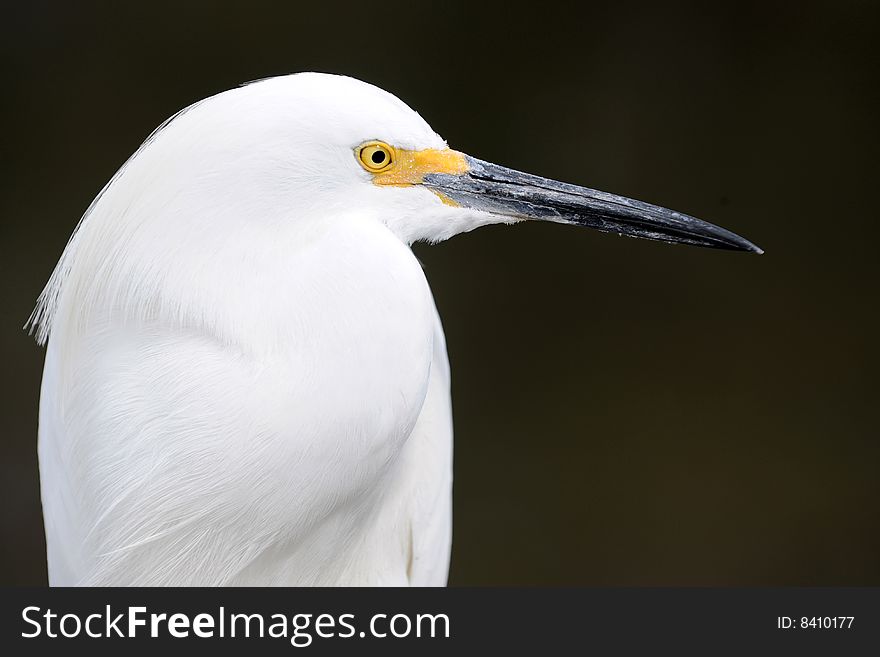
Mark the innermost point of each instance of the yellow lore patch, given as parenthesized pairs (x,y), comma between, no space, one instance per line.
(399,167)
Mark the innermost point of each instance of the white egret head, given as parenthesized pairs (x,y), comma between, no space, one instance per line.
(314,145)
(248,175)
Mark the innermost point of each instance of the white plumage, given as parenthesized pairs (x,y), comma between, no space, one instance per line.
(246,380)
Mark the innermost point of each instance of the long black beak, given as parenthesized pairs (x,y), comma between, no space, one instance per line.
(499,190)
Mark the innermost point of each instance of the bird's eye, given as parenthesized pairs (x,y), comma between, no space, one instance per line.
(375,156)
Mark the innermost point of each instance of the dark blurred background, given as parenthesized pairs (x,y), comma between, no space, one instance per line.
(627,412)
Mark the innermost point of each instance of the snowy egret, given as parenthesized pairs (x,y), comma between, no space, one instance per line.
(246,379)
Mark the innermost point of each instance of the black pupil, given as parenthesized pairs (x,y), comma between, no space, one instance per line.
(378,157)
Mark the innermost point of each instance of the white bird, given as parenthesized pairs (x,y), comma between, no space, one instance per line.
(246,380)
